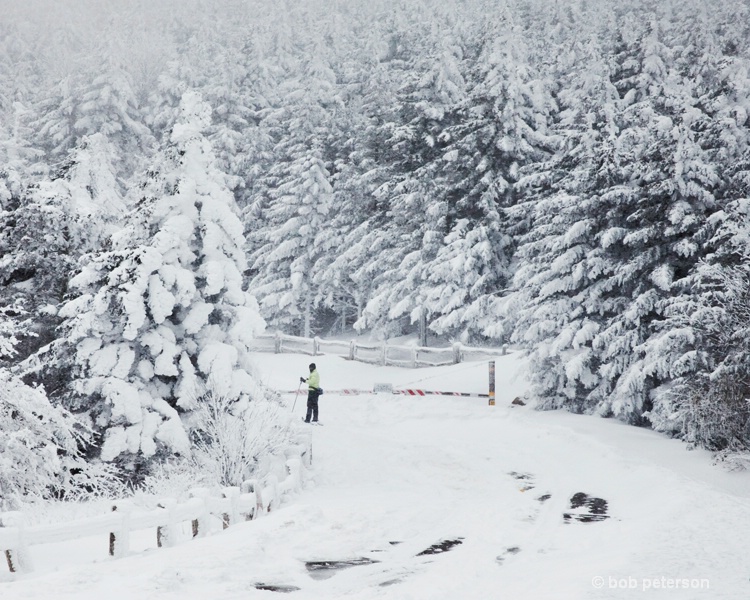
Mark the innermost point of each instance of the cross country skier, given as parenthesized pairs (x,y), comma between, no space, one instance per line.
(313,393)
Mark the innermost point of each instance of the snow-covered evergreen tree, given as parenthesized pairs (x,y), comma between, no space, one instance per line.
(428,107)
(283,252)
(620,223)
(500,128)
(700,343)
(561,284)
(45,232)
(425,66)
(18,158)
(162,318)
(39,447)
(109,107)
(364,161)
(474,117)
(661,236)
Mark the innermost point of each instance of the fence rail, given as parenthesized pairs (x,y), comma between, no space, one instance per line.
(382,353)
(235,504)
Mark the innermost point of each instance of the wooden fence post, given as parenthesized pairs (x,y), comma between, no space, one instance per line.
(10,560)
(384,353)
(457,354)
(277,343)
(352,350)
(200,525)
(250,486)
(258,500)
(232,494)
(316,346)
(166,535)
(294,470)
(492,384)
(119,541)
(306,455)
(273,501)
(18,559)
(9,554)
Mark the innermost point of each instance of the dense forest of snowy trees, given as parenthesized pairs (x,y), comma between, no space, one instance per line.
(570,177)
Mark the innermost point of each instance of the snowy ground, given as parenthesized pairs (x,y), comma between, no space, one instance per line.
(395,475)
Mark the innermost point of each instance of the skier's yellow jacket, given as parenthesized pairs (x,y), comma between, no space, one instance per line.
(313,382)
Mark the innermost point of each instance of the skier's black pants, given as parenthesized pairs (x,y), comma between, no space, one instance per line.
(312,405)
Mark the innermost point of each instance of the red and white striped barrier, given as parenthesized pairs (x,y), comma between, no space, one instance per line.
(329,392)
(410,392)
(387,388)
(406,392)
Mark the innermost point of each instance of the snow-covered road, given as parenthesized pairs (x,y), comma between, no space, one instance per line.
(394,476)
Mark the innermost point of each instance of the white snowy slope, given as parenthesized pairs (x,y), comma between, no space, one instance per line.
(395,475)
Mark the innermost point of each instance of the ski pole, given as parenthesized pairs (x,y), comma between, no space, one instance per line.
(295,396)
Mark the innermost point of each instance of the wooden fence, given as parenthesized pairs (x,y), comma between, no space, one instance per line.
(235,504)
(382,353)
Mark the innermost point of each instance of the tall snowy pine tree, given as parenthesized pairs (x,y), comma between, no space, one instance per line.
(162,318)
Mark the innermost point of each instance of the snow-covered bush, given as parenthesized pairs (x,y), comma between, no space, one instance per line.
(172,478)
(708,413)
(232,437)
(232,442)
(39,455)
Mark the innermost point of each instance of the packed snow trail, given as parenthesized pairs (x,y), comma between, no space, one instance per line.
(445,498)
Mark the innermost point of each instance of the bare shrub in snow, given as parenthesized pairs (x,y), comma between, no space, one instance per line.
(733,461)
(173,478)
(720,410)
(717,415)
(231,437)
